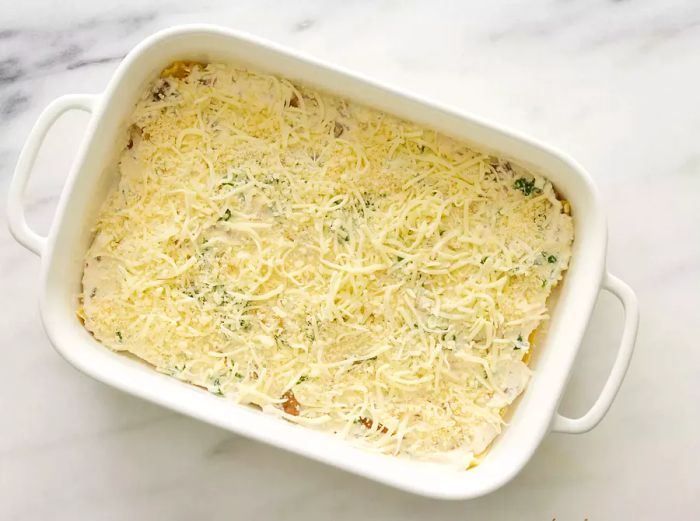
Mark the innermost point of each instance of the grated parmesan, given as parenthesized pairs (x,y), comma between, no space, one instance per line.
(331,264)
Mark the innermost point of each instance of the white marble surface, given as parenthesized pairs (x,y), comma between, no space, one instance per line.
(616,84)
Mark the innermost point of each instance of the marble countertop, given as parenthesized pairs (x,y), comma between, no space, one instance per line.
(615,84)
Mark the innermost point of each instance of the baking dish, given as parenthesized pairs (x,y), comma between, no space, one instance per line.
(93,171)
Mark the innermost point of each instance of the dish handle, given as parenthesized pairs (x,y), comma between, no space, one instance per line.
(629,333)
(15,208)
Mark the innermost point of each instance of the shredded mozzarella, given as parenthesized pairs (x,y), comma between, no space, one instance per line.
(329,263)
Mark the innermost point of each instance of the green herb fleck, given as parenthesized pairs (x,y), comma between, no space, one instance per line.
(551,259)
(526,187)
(520,341)
(218,390)
(119,336)
(449,337)
(272,179)
(342,234)
(302,379)
(281,342)
(244,324)
(239,376)
(484,259)
(521,344)
(226,216)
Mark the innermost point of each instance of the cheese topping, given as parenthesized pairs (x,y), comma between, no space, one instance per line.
(331,264)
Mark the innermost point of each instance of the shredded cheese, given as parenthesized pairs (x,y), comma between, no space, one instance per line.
(331,264)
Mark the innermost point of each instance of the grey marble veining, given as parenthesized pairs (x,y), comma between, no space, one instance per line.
(615,84)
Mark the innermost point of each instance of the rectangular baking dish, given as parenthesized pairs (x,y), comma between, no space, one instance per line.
(93,170)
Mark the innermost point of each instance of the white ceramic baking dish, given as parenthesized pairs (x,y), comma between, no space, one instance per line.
(62,253)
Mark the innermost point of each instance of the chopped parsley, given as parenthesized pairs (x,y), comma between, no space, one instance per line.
(244,324)
(527,187)
(343,234)
(551,259)
(217,391)
(226,216)
(302,379)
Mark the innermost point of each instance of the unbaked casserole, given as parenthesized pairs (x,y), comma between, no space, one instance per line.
(275,242)
(331,264)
